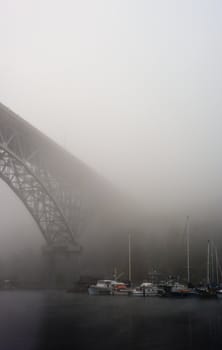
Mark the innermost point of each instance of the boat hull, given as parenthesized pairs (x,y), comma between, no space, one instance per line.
(184,294)
(145,293)
(99,291)
(121,293)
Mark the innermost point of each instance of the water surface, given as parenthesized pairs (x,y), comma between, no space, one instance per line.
(57,320)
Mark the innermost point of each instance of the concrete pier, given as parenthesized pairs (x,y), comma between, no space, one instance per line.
(62,266)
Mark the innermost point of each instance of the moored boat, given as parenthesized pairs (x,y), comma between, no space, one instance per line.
(120,288)
(181,290)
(102,287)
(146,289)
(207,292)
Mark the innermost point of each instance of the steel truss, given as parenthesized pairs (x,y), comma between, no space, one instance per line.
(54,207)
(36,198)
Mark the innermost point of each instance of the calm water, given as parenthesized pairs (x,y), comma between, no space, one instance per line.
(57,320)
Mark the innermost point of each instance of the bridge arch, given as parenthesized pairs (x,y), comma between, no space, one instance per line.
(63,195)
(36,198)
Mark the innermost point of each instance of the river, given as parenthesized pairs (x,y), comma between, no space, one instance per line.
(44,320)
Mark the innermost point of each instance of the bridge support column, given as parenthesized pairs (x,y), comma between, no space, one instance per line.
(62,266)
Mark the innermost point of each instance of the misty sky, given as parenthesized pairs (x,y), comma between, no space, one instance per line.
(133,88)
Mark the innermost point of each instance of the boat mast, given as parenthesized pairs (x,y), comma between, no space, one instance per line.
(188,250)
(129,247)
(212,263)
(208,262)
(217,267)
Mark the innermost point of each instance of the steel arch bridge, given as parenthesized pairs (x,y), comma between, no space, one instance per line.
(51,183)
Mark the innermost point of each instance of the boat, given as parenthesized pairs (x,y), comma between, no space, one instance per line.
(102,287)
(207,292)
(173,288)
(176,288)
(147,289)
(137,292)
(180,290)
(120,289)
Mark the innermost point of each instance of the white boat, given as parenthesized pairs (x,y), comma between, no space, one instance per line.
(102,287)
(136,292)
(146,289)
(179,289)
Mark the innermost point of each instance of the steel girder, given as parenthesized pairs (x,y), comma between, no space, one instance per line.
(36,198)
(52,204)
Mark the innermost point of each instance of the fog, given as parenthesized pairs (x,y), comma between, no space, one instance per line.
(132,88)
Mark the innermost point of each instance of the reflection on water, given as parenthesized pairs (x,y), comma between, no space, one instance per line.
(21,315)
(57,320)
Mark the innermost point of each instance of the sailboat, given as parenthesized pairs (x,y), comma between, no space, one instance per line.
(179,289)
(217,270)
(208,291)
(145,289)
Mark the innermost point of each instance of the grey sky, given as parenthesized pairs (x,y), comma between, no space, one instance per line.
(133,88)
